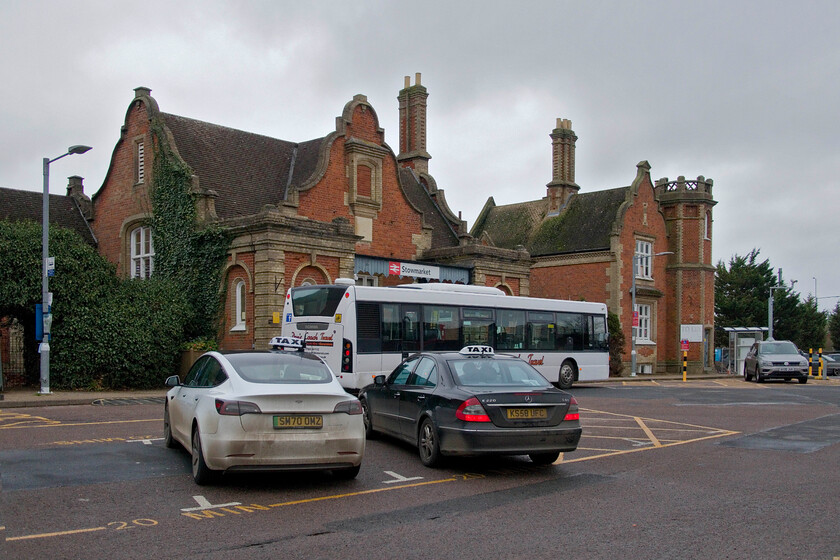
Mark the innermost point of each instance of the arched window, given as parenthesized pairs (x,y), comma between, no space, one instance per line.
(142,253)
(239,306)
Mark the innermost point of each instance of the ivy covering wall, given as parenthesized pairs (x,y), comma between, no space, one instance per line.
(189,254)
(106,332)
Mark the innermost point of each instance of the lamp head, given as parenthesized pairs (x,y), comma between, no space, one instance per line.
(78,149)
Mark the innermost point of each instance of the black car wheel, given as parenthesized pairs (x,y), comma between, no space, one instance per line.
(428,444)
(567,375)
(201,472)
(369,433)
(168,440)
(544,458)
(803,380)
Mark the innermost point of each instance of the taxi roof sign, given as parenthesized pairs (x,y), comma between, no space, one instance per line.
(477,350)
(287,342)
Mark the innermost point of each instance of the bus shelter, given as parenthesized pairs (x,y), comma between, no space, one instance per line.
(740,341)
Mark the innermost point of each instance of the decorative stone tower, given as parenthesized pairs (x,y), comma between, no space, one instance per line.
(413,126)
(562,185)
(687,207)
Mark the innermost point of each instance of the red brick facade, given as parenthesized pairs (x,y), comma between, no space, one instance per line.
(355,198)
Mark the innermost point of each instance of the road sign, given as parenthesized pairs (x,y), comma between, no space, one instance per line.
(635,318)
(50,266)
(683,344)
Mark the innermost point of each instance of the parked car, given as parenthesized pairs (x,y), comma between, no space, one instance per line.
(775,359)
(270,410)
(830,362)
(472,402)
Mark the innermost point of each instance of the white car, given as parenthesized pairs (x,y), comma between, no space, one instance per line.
(257,411)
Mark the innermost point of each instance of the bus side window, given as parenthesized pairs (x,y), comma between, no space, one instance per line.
(510,329)
(391,336)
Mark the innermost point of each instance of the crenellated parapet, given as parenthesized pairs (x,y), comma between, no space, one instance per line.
(682,190)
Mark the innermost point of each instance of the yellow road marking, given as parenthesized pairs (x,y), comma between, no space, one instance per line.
(62,425)
(361,493)
(58,534)
(647,431)
(625,451)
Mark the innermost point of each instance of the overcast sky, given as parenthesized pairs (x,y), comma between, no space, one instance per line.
(745,93)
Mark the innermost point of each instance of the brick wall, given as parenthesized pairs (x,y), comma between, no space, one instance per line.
(120,198)
(587,282)
(394,224)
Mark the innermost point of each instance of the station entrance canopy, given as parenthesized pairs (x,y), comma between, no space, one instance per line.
(385,267)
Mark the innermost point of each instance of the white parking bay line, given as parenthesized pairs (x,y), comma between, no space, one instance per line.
(204,503)
(399,478)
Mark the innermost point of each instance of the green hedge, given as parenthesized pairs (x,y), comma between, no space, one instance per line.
(106,332)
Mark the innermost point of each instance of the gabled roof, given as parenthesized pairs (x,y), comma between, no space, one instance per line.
(512,224)
(443,233)
(17,205)
(246,170)
(584,224)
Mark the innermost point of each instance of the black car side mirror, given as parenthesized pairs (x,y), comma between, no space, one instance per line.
(379,380)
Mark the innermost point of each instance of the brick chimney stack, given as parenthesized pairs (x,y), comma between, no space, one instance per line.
(413,126)
(76,191)
(562,186)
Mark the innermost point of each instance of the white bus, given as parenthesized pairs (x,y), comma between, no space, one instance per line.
(363,331)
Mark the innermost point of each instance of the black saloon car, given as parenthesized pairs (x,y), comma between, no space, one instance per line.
(472,402)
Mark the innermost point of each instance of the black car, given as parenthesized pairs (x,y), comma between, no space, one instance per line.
(472,402)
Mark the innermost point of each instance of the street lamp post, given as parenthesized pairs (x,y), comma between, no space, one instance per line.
(45,291)
(633,328)
(770,308)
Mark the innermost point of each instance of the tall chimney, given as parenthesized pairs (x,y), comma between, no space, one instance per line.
(76,191)
(562,185)
(413,126)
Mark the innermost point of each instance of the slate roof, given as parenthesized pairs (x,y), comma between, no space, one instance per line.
(584,225)
(17,205)
(246,170)
(443,234)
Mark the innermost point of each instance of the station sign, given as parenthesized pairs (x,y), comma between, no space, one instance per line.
(415,270)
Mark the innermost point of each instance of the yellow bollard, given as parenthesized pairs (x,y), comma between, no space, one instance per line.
(685,366)
(810,362)
(821,366)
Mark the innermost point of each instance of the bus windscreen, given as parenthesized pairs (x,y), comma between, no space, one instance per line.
(316,301)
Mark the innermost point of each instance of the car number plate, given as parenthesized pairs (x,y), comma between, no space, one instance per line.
(526,413)
(291,421)
(786,369)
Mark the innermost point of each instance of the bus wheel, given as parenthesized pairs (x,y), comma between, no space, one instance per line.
(567,375)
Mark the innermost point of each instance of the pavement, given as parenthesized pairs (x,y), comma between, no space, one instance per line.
(30,397)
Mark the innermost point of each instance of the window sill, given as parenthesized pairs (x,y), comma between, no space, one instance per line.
(645,342)
(238,328)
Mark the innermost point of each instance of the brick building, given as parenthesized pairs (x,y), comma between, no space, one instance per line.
(300,212)
(584,246)
(346,205)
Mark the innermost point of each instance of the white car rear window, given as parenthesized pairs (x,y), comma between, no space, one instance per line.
(275,367)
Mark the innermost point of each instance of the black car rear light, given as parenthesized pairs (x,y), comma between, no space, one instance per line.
(346,356)
(572,413)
